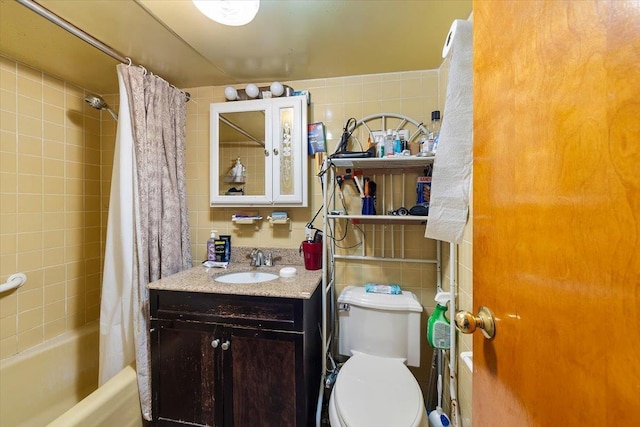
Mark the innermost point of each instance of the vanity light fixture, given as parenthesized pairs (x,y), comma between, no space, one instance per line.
(229,12)
(252,91)
(231,93)
(276,88)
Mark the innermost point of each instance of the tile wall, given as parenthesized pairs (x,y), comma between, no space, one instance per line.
(50,206)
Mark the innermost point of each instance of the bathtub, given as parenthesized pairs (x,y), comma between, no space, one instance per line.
(55,384)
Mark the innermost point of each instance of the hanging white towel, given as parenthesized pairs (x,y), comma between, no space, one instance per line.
(450,185)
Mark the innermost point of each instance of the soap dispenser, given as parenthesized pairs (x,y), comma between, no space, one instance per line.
(438,326)
(211,246)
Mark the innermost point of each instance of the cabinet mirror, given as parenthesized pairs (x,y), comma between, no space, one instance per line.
(258,152)
(242,136)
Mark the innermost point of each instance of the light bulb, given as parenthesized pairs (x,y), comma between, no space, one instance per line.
(231,93)
(252,90)
(276,88)
(229,12)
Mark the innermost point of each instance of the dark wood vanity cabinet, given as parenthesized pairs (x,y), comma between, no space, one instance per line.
(233,360)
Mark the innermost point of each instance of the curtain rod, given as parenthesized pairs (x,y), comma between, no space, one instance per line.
(82,35)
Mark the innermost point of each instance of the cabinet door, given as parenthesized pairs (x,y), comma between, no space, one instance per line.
(186,378)
(269,136)
(289,150)
(267,379)
(241,130)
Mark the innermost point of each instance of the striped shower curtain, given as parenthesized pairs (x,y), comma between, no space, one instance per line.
(147,229)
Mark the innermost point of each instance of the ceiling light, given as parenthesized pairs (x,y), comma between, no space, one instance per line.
(229,12)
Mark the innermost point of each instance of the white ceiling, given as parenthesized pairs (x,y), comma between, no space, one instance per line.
(288,40)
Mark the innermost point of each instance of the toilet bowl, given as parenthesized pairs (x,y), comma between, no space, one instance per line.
(374,388)
(376,391)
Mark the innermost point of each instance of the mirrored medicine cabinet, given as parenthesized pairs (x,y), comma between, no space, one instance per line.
(268,139)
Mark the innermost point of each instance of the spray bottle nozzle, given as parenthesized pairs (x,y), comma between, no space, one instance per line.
(442,298)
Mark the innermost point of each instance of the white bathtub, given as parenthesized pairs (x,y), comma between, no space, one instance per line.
(55,384)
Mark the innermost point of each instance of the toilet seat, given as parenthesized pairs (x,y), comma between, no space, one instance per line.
(375,391)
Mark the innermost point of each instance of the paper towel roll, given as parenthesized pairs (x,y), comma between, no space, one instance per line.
(451,180)
(453,31)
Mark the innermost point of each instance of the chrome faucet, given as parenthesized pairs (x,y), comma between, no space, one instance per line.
(256,258)
(259,259)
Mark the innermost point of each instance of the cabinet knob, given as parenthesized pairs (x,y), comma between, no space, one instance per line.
(266,153)
(275,151)
(215,343)
(226,345)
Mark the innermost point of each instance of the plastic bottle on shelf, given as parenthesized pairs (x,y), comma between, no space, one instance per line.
(397,144)
(434,131)
(379,146)
(424,143)
(211,246)
(388,143)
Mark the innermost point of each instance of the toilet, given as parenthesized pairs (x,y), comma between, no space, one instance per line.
(374,387)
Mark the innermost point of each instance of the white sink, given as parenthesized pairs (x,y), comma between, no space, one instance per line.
(246,277)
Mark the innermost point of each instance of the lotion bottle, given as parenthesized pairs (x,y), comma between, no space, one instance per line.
(438,326)
(211,246)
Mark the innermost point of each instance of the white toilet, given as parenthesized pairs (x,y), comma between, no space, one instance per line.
(374,387)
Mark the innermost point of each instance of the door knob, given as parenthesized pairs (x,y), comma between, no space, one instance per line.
(467,323)
(226,345)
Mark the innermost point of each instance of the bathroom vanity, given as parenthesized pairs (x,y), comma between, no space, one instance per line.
(235,354)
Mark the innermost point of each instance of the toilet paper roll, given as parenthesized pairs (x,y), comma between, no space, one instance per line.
(458,25)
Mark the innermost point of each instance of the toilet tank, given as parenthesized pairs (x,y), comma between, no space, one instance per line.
(379,324)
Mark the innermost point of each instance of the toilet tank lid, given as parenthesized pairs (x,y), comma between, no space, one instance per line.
(356,295)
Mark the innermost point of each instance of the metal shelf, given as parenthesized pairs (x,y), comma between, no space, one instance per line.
(382,219)
(384,163)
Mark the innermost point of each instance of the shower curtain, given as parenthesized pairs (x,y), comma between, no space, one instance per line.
(147,228)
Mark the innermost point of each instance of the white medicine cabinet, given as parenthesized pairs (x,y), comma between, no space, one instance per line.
(269,138)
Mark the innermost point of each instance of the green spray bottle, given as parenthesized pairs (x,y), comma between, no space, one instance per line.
(438,326)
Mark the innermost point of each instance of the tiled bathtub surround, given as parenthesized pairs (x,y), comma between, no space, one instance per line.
(50,206)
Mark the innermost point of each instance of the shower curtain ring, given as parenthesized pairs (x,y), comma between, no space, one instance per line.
(143,69)
(130,62)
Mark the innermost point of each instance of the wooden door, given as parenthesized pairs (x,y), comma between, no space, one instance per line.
(557,212)
(186,379)
(267,374)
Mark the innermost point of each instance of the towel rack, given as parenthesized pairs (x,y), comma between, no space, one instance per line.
(14,282)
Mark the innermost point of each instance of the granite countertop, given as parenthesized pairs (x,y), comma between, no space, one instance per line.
(201,279)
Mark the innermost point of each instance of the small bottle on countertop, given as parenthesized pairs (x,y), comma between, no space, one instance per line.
(211,246)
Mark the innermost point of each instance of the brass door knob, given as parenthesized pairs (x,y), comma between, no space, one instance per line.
(467,323)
